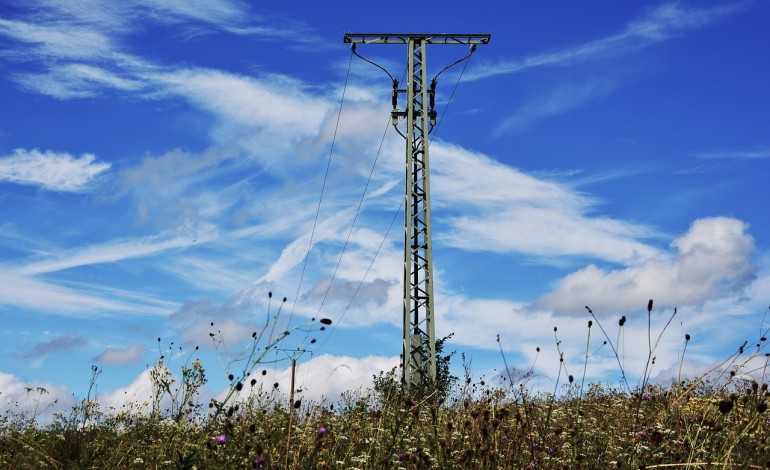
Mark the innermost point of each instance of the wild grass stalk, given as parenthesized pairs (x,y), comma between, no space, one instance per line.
(715,420)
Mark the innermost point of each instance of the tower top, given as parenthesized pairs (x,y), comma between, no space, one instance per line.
(397,38)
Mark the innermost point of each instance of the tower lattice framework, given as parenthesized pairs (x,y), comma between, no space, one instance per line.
(418,356)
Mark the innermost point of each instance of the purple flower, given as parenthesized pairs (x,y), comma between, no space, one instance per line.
(400,456)
(646,396)
(641,433)
(221,439)
(322,430)
(259,461)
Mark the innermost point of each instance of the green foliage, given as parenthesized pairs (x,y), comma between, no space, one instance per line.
(677,425)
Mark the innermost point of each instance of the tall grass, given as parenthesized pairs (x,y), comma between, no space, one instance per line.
(717,420)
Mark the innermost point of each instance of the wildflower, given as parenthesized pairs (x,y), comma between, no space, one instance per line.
(646,396)
(259,461)
(400,456)
(641,433)
(321,430)
(221,439)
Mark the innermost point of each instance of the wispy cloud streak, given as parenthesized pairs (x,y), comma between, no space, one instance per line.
(662,23)
(559,101)
(737,154)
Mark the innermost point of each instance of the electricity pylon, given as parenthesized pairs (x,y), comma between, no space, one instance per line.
(418,356)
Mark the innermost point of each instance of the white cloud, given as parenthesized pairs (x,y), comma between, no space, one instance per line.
(69,41)
(28,292)
(220,12)
(507,211)
(662,23)
(51,170)
(120,355)
(38,400)
(108,253)
(559,101)
(713,260)
(737,154)
(325,376)
(136,397)
(279,107)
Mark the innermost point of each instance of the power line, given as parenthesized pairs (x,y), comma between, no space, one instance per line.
(355,217)
(433,135)
(363,279)
(363,196)
(323,188)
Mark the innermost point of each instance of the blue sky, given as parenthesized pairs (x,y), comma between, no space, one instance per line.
(162,162)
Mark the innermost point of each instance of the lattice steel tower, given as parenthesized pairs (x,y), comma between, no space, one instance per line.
(418,357)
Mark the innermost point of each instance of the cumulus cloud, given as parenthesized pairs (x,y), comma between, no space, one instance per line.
(137,396)
(712,260)
(51,170)
(325,376)
(32,399)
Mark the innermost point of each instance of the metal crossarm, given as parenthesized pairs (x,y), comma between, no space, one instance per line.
(378,38)
(418,356)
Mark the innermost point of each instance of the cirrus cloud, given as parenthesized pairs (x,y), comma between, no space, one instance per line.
(55,171)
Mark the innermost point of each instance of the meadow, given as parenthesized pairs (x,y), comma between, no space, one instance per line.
(716,420)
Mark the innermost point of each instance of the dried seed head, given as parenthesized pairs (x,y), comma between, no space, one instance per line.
(649,306)
(725,406)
